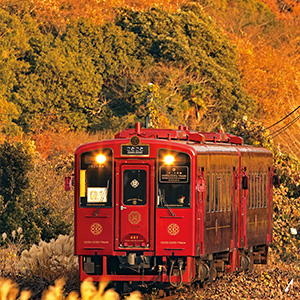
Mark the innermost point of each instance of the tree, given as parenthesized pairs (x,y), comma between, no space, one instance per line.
(15,164)
(63,83)
(94,76)
(19,208)
(190,38)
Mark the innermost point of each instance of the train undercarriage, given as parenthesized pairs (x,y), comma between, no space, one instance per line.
(147,271)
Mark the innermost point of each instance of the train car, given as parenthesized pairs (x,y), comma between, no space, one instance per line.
(166,206)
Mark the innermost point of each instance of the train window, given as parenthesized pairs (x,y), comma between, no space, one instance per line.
(173,179)
(134,187)
(261,190)
(250,190)
(213,192)
(256,191)
(253,190)
(208,196)
(218,192)
(266,191)
(229,190)
(95,177)
(223,187)
(262,204)
(224,194)
(263,187)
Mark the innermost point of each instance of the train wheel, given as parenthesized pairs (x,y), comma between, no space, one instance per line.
(245,262)
(251,263)
(212,274)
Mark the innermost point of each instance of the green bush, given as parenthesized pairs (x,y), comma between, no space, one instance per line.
(19,207)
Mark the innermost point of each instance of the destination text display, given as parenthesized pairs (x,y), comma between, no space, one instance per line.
(135,150)
(173,174)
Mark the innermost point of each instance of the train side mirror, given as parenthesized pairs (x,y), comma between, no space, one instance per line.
(245,183)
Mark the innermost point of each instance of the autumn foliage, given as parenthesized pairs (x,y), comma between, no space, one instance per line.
(266,35)
(78,71)
(284,9)
(57,13)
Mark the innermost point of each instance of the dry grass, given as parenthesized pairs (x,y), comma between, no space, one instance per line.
(10,291)
(51,260)
(10,252)
(39,266)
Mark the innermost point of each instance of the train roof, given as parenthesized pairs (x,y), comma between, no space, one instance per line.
(181,134)
(200,142)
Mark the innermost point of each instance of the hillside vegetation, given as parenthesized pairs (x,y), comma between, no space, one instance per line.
(266,36)
(86,64)
(78,71)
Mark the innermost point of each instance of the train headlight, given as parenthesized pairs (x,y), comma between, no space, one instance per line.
(169,159)
(100,159)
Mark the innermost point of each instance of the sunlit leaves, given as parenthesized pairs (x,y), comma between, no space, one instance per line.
(284,9)
(54,15)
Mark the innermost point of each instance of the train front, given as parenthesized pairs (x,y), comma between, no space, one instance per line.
(135,207)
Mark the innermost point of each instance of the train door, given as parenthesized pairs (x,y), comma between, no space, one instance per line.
(133,203)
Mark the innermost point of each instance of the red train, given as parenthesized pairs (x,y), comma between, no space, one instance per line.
(171,206)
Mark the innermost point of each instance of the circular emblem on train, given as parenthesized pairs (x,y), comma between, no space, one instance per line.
(134,183)
(135,140)
(173,229)
(96,229)
(134,217)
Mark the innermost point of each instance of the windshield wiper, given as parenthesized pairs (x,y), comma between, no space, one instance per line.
(165,203)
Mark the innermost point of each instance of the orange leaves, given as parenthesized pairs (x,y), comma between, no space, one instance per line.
(58,13)
(284,9)
(266,34)
(265,72)
(270,75)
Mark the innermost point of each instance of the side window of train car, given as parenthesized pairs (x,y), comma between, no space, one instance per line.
(218,192)
(208,194)
(266,189)
(213,181)
(250,195)
(174,186)
(95,178)
(228,190)
(223,185)
(258,189)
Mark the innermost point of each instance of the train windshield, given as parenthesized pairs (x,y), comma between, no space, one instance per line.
(173,179)
(95,177)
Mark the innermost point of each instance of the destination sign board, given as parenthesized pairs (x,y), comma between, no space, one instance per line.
(172,174)
(140,150)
